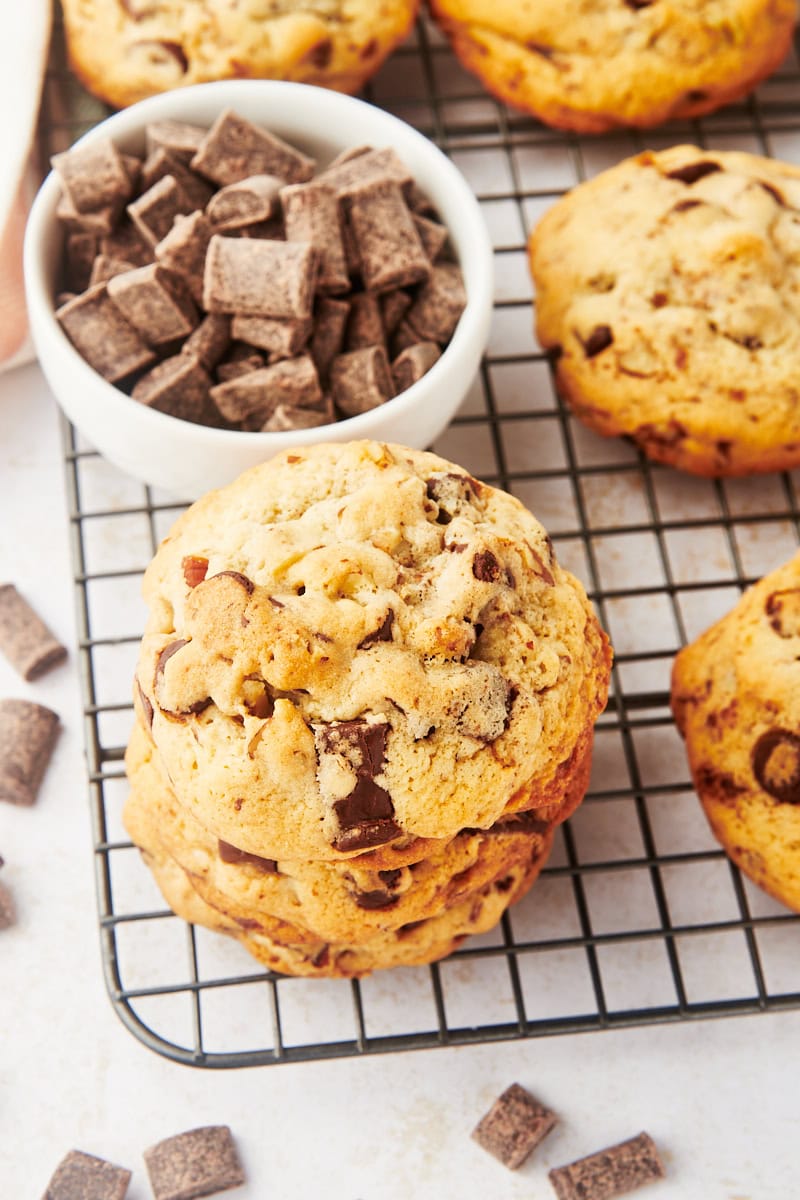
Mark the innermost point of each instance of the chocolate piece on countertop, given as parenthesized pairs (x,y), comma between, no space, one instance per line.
(611,1172)
(209,341)
(394,306)
(234,148)
(279,336)
(180,387)
(183,250)
(94,177)
(389,247)
(327,339)
(514,1126)
(28,734)
(151,300)
(432,234)
(25,640)
(361,380)
(154,211)
(288,416)
(259,278)
(311,214)
(199,1162)
(179,137)
(104,268)
(8,910)
(248,202)
(252,398)
(81,1176)
(439,304)
(162,163)
(412,363)
(100,333)
(365,324)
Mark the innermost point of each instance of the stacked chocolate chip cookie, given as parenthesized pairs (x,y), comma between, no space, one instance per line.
(365,698)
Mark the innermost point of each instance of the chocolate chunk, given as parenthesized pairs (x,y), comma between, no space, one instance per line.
(439,304)
(783,610)
(389,247)
(244,203)
(412,363)
(199,1162)
(150,300)
(382,634)
(232,854)
(80,252)
(598,340)
(237,577)
(180,387)
(366,814)
(99,221)
(183,250)
(179,137)
(486,567)
(374,900)
(393,306)
(241,360)
(311,214)
(125,242)
(432,234)
(330,322)
(514,1126)
(365,324)
(147,707)
(162,163)
(252,398)
(775,760)
(25,640)
(450,492)
(282,337)
(348,174)
(694,171)
(154,211)
(94,176)
(262,278)
(81,1176)
(608,1173)
(209,341)
(234,149)
(361,380)
(100,333)
(286,417)
(28,734)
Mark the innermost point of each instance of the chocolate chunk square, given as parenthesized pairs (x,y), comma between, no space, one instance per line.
(183,250)
(200,1162)
(210,340)
(439,304)
(348,174)
(180,387)
(235,148)
(390,250)
(94,177)
(80,252)
(179,137)
(611,1172)
(154,211)
(248,202)
(330,322)
(289,416)
(98,221)
(279,336)
(150,300)
(361,380)
(104,268)
(514,1126)
(126,242)
(162,163)
(259,278)
(432,234)
(28,734)
(81,1176)
(311,214)
(365,324)
(252,398)
(414,362)
(25,640)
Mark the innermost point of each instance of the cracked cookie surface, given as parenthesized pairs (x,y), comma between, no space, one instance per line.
(124,50)
(591,66)
(356,646)
(668,295)
(736,701)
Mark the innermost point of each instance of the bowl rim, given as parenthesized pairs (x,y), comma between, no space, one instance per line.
(479,273)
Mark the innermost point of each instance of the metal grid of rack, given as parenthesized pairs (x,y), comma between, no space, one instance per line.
(639,917)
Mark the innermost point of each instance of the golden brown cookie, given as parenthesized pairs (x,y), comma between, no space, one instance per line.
(668,295)
(124,50)
(357,645)
(736,700)
(594,66)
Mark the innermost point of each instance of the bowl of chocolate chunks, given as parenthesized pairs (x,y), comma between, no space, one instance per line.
(222,271)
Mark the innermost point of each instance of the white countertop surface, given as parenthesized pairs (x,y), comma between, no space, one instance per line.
(718,1096)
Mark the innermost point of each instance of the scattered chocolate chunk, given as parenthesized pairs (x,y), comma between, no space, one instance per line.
(608,1173)
(439,304)
(151,301)
(311,214)
(246,202)
(28,734)
(199,1162)
(100,333)
(25,640)
(598,340)
(232,854)
(181,387)
(361,380)
(390,249)
(694,171)
(234,149)
(412,363)
(81,1176)
(775,760)
(262,278)
(514,1126)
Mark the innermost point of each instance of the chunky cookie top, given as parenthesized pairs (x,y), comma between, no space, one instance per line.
(668,292)
(357,644)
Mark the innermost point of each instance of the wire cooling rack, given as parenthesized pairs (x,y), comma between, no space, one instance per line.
(639,917)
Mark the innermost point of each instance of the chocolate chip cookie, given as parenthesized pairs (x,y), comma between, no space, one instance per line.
(354,646)
(668,295)
(591,67)
(124,50)
(736,700)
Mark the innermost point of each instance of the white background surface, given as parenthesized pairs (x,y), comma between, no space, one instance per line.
(719,1097)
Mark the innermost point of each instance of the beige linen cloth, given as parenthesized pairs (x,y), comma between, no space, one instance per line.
(24,41)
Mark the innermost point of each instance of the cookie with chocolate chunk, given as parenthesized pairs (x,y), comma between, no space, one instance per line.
(736,700)
(593,67)
(125,51)
(358,644)
(667,295)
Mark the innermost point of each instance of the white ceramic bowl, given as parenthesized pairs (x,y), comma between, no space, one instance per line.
(188,459)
